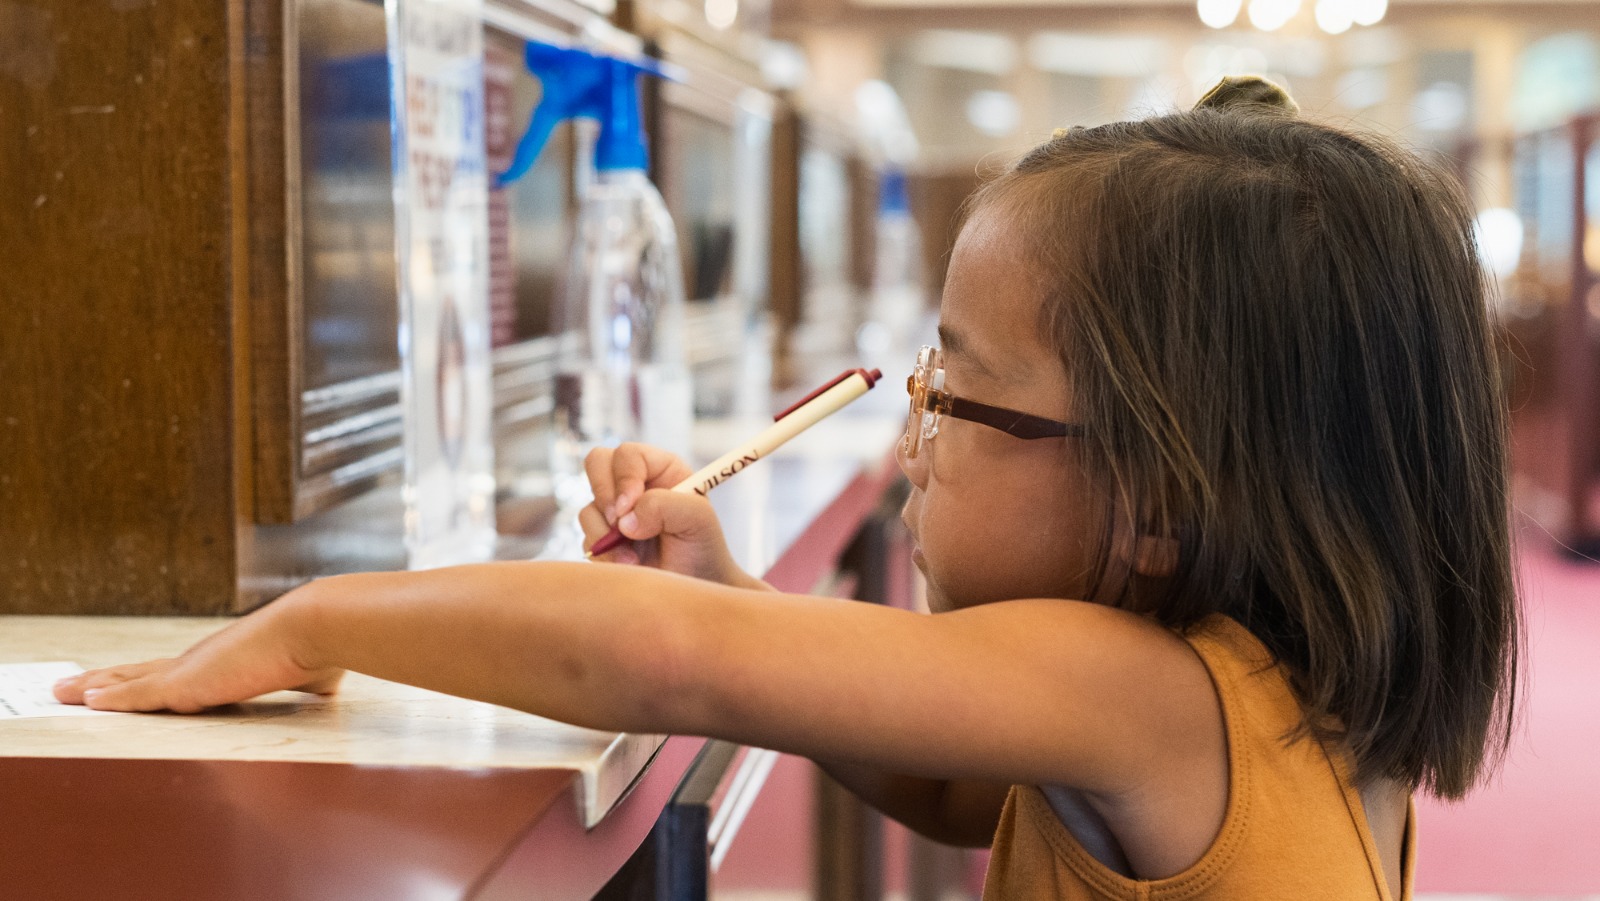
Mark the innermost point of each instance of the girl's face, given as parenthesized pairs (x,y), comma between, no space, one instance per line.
(996,517)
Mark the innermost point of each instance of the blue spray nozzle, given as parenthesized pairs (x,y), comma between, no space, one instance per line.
(892,194)
(581,84)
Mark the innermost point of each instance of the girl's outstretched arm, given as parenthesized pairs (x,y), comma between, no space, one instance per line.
(1036,691)
(571,641)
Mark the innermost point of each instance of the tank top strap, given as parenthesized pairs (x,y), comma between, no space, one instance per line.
(1251,682)
(1248,680)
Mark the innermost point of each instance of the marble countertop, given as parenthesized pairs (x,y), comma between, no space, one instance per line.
(371,722)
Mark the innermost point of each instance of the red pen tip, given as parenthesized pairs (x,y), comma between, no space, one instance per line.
(607,543)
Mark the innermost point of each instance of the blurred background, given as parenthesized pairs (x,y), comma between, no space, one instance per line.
(198,240)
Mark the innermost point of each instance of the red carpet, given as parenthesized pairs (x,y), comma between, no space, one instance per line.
(1535,830)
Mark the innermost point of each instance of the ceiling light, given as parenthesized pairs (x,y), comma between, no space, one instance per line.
(783,65)
(1368,12)
(995,113)
(722,13)
(991,53)
(1270,15)
(1499,235)
(1334,16)
(1441,106)
(1219,13)
(1126,56)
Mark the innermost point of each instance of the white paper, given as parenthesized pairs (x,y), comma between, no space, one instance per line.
(25,690)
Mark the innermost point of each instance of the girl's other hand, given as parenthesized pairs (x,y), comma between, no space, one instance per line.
(256,655)
(671,530)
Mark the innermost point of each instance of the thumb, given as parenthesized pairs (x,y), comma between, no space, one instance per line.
(682,516)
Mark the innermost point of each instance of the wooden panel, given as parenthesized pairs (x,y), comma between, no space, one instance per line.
(1580,350)
(116,467)
(863,224)
(788,276)
(936,202)
(849,845)
(1554,363)
(275,325)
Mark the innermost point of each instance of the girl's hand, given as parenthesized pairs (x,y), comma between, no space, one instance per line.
(256,655)
(671,530)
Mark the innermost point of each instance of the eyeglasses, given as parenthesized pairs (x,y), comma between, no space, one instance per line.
(929,402)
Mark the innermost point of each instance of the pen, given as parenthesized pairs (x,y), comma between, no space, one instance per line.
(805,413)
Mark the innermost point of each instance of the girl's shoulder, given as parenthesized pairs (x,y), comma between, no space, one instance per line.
(1220,825)
(1223,641)
(1245,676)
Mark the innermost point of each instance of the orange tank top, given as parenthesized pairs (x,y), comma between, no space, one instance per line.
(1294,826)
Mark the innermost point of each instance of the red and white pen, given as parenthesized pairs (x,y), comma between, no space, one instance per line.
(804,414)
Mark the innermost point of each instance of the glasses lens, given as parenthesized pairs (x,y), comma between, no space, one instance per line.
(922,423)
(932,384)
(914,388)
(910,437)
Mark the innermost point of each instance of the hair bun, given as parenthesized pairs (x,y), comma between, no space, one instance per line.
(1241,92)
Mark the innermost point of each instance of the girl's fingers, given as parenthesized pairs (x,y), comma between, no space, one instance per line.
(594,527)
(597,466)
(251,657)
(71,690)
(142,694)
(593,523)
(617,476)
(187,689)
(637,467)
(686,517)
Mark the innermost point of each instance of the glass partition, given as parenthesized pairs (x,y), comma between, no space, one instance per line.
(347,204)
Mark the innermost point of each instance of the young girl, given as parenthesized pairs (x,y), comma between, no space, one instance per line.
(1209,490)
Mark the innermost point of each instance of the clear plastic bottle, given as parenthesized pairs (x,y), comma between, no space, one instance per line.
(897,301)
(622,371)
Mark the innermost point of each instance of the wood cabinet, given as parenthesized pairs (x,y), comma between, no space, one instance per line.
(125,286)
(1551,314)
(198,312)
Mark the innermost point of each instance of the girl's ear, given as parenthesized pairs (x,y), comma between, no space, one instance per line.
(1155,557)
(1145,554)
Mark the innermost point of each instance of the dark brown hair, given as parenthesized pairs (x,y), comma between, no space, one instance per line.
(1278,334)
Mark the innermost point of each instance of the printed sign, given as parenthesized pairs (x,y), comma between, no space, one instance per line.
(442,265)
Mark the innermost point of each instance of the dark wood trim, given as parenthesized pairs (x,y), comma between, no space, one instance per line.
(276,330)
(1579,366)
(848,837)
(239,230)
(863,224)
(787,285)
(1551,362)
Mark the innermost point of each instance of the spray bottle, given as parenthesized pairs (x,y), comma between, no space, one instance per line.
(622,371)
